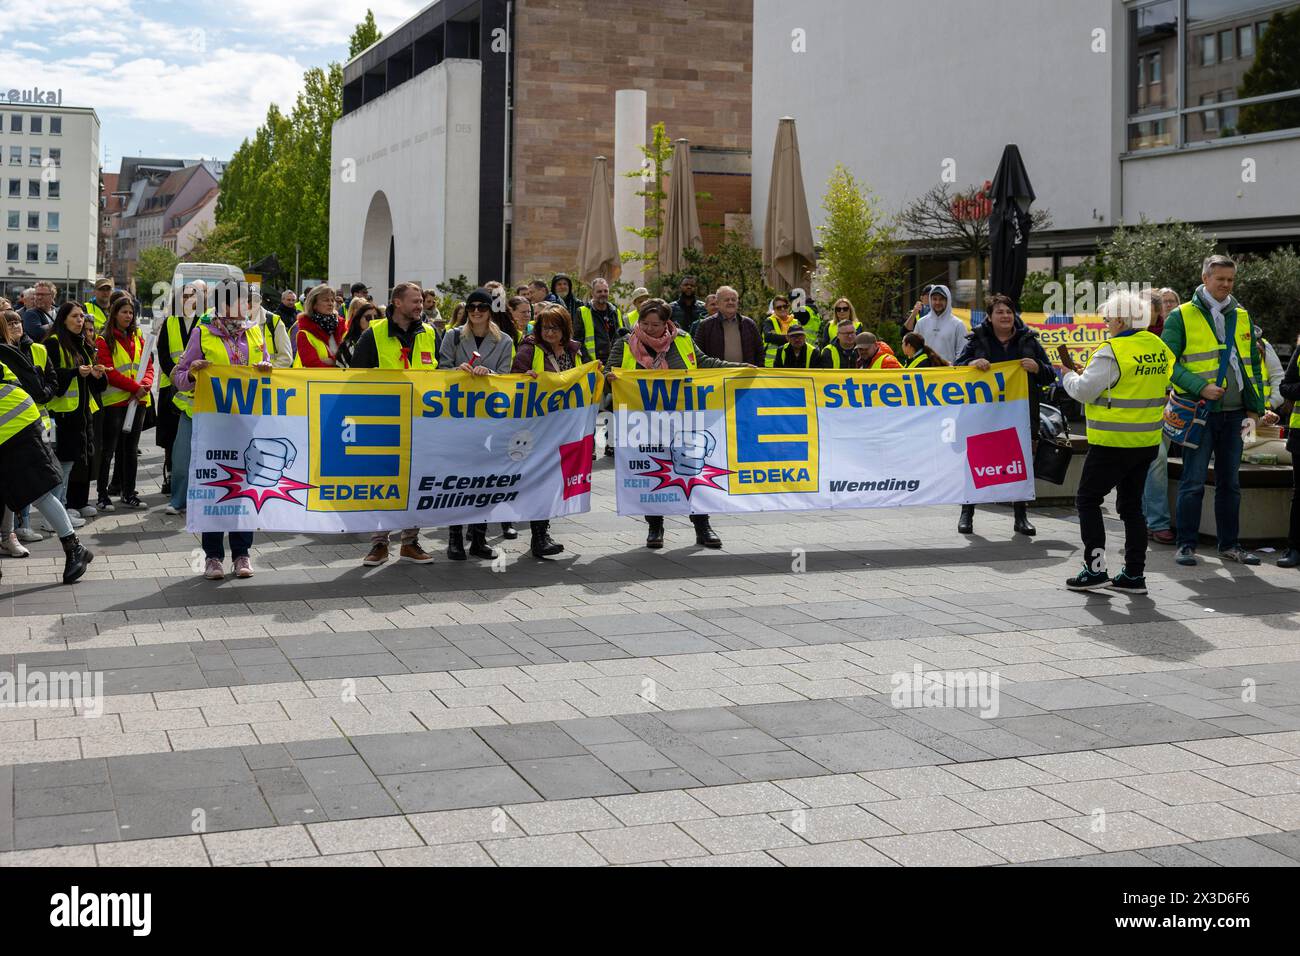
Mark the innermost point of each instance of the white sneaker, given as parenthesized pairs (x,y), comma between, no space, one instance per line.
(11,546)
(76,519)
(171,510)
(28,536)
(90,511)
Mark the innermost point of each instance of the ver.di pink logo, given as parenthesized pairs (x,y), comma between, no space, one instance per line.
(995,458)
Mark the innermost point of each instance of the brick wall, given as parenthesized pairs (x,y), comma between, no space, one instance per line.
(692,59)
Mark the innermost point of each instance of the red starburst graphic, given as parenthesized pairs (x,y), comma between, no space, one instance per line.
(667,479)
(235,486)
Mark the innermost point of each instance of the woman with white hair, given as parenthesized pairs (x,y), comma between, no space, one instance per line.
(1123,394)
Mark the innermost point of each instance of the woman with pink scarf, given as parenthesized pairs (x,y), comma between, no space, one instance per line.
(655,343)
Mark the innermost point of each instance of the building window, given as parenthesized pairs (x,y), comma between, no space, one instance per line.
(15,122)
(33,220)
(1220,53)
(56,125)
(52,253)
(33,155)
(1207,50)
(33,189)
(11,251)
(55,188)
(37,125)
(1246,41)
(14,216)
(15,189)
(52,221)
(33,252)
(1210,118)
(56,157)
(15,155)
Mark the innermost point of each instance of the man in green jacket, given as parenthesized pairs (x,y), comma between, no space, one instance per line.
(1218,359)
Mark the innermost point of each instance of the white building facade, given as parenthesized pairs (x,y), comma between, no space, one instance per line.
(49,196)
(407,165)
(1120,109)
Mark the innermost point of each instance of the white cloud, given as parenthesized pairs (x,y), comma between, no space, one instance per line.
(223,94)
(322,23)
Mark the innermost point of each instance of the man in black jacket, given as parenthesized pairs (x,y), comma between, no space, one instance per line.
(687,310)
(1002,337)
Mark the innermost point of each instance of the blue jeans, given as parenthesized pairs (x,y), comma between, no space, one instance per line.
(214,544)
(62,490)
(181,461)
(1222,439)
(1155,494)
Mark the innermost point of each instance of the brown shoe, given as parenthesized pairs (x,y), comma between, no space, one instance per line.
(1164,536)
(378,555)
(414,553)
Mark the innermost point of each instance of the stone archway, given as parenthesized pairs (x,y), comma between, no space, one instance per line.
(378,247)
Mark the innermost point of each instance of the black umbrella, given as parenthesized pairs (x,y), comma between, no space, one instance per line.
(1009,225)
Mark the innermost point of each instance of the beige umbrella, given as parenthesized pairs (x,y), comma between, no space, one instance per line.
(788,253)
(682,221)
(598,249)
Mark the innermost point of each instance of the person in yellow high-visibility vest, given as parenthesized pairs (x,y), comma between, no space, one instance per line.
(775,327)
(78,381)
(1123,394)
(1290,391)
(657,345)
(172,339)
(231,336)
(130,380)
(1216,358)
(97,308)
(30,477)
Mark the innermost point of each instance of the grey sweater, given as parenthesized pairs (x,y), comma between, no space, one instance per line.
(458,345)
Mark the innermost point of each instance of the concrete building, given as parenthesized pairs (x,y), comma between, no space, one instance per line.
(1120,109)
(468,133)
(187,227)
(158,196)
(51,196)
(110,214)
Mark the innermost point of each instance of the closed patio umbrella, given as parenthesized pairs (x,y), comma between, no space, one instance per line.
(682,220)
(1009,224)
(788,251)
(598,253)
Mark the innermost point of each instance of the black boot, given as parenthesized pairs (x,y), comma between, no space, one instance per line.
(544,545)
(966,523)
(705,536)
(1022,525)
(1289,560)
(456,543)
(508,530)
(655,536)
(77,558)
(478,545)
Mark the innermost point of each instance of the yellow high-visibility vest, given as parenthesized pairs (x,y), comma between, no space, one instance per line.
(1202,351)
(424,348)
(1130,414)
(214,350)
(17,410)
(684,348)
(125,365)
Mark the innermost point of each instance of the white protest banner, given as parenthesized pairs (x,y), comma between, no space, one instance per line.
(336,451)
(714,441)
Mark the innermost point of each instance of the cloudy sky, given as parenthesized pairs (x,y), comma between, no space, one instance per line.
(178,79)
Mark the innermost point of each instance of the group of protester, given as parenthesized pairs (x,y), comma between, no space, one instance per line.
(83,369)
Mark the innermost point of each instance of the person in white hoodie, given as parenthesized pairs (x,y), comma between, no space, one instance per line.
(942,331)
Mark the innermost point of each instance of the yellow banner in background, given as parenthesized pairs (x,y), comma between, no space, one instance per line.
(1082,333)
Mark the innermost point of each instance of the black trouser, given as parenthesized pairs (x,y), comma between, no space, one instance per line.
(1104,470)
(122,445)
(1293,539)
(214,547)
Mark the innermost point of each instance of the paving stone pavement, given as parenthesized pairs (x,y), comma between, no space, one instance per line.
(617,706)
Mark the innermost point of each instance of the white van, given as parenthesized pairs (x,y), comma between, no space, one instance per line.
(210,272)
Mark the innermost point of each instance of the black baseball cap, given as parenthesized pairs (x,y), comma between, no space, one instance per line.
(359,288)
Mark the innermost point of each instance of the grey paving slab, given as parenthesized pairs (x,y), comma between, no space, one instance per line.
(531,741)
(458,788)
(388,754)
(864,750)
(563,778)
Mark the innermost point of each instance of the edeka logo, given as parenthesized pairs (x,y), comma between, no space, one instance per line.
(995,458)
(772,443)
(575,466)
(360,445)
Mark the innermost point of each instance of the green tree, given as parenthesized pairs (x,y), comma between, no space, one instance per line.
(1163,254)
(735,262)
(651,174)
(156,264)
(276,188)
(220,243)
(1275,69)
(1269,288)
(858,258)
(365,35)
